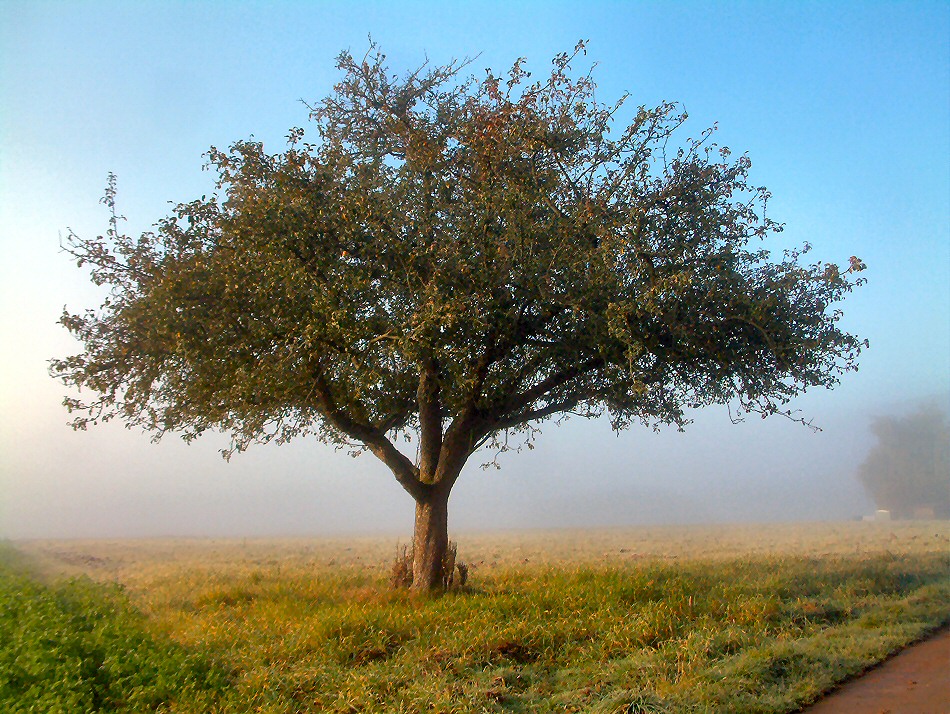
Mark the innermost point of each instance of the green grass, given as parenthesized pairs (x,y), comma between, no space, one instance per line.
(295,627)
(79,646)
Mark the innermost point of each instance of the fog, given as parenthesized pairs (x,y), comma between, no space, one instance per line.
(111,482)
(844,110)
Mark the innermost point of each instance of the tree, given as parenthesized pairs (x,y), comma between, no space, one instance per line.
(454,261)
(909,467)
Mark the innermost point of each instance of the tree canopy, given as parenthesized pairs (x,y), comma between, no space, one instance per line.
(456,260)
(908,470)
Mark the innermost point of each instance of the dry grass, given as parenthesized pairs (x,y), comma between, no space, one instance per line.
(135,561)
(727,618)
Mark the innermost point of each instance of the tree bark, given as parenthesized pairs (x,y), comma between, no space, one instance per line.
(430,541)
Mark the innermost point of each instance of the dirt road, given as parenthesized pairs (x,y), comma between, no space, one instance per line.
(916,681)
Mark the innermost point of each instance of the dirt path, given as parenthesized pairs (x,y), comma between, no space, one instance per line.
(916,681)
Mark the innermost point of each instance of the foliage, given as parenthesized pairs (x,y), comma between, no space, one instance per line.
(909,467)
(80,647)
(457,260)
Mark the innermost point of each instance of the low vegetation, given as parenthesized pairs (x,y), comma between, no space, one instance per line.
(80,646)
(662,620)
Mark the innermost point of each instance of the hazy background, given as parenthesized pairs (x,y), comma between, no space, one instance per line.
(844,109)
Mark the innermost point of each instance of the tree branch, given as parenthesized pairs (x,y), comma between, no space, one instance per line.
(430,419)
(553,381)
(534,414)
(404,470)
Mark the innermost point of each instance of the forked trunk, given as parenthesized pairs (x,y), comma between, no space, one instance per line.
(430,542)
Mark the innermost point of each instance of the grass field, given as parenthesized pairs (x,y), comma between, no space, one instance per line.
(724,619)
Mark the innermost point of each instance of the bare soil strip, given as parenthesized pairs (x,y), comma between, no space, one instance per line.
(915,681)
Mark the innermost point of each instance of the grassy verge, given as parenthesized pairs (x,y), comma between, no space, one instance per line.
(747,633)
(79,646)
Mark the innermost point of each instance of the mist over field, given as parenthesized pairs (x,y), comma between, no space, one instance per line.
(843,109)
(579,475)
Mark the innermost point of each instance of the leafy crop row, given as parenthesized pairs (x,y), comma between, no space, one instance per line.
(79,646)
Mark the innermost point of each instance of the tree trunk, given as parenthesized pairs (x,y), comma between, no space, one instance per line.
(430,541)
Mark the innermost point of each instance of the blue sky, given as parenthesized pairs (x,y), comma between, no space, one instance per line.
(844,109)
